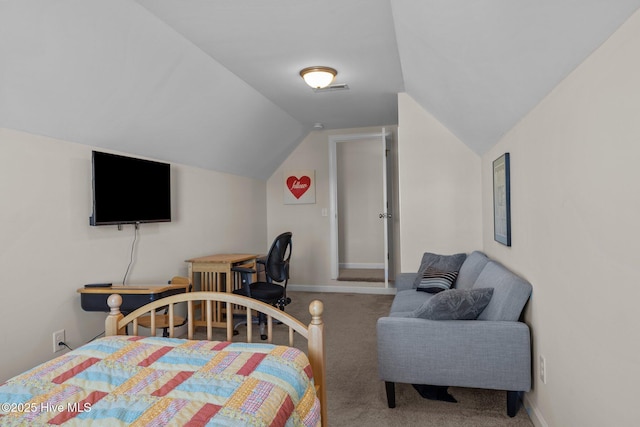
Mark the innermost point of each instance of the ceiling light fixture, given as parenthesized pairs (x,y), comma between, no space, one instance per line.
(318,77)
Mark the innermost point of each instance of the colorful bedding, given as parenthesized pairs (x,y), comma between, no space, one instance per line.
(149,381)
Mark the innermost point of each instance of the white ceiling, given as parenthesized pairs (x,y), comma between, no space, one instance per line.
(215,84)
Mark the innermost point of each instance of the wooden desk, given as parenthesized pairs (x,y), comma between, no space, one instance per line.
(133,297)
(211,268)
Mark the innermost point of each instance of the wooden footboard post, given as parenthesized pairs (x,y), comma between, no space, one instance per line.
(111,323)
(316,354)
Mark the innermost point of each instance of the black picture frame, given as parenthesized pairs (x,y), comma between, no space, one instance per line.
(502,200)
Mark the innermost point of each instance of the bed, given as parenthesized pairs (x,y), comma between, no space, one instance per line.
(135,380)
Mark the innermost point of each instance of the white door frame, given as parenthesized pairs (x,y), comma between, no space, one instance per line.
(333,195)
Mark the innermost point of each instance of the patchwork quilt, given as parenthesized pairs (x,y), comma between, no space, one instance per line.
(151,381)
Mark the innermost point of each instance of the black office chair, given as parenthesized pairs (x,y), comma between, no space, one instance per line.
(276,269)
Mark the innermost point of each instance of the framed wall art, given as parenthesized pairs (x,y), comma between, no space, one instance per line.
(299,187)
(502,200)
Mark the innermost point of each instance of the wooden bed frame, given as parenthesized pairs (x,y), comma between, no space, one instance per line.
(116,324)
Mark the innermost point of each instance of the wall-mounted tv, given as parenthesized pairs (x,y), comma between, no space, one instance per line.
(127,190)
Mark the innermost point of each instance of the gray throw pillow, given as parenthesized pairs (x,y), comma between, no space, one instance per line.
(434,280)
(455,304)
(440,262)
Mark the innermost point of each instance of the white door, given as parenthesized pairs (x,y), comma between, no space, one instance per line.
(387,209)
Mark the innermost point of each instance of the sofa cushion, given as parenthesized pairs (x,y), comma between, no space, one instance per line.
(404,281)
(434,280)
(471,269)
(408,301)
(455,304)
(441,262)
(510,293)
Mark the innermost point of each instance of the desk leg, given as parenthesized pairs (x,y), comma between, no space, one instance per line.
(229,280)
(228,287)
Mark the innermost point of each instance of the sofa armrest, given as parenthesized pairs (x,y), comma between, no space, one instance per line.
(404,281)
(464,353)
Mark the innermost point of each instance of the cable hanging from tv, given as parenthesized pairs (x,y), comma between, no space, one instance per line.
(133,244)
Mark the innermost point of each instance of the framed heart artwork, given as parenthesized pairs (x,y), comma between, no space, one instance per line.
(299,187)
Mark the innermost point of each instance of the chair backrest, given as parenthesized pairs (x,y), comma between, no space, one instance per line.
(277,263)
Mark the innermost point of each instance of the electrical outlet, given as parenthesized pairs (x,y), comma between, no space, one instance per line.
(542,369)
(58,336)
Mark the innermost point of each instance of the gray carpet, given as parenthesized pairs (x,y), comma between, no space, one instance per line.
(361,275)
(356,397)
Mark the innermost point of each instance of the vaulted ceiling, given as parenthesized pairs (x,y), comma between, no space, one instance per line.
(215,84)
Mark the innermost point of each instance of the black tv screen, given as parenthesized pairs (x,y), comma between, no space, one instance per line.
(127,190)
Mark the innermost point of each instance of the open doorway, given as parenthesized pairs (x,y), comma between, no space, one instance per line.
(360,234)
(360,197)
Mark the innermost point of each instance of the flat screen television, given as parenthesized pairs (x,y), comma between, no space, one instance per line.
(127,190)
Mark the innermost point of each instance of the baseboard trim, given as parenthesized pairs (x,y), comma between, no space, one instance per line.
(342,289)
(534,414)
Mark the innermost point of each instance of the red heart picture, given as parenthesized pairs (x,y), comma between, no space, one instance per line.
(298,186)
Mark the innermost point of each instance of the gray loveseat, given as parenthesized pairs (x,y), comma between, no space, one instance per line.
(491,352)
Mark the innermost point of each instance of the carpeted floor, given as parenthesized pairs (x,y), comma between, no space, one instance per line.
(361,275)
(356,397)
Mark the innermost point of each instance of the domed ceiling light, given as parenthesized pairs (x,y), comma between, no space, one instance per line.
(318,77)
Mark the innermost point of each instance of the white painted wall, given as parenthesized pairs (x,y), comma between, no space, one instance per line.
(576,206)
(440,188)
(360,201)
(49,250)
(310,260)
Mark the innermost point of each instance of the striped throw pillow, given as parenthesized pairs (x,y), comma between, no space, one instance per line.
(434,280)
